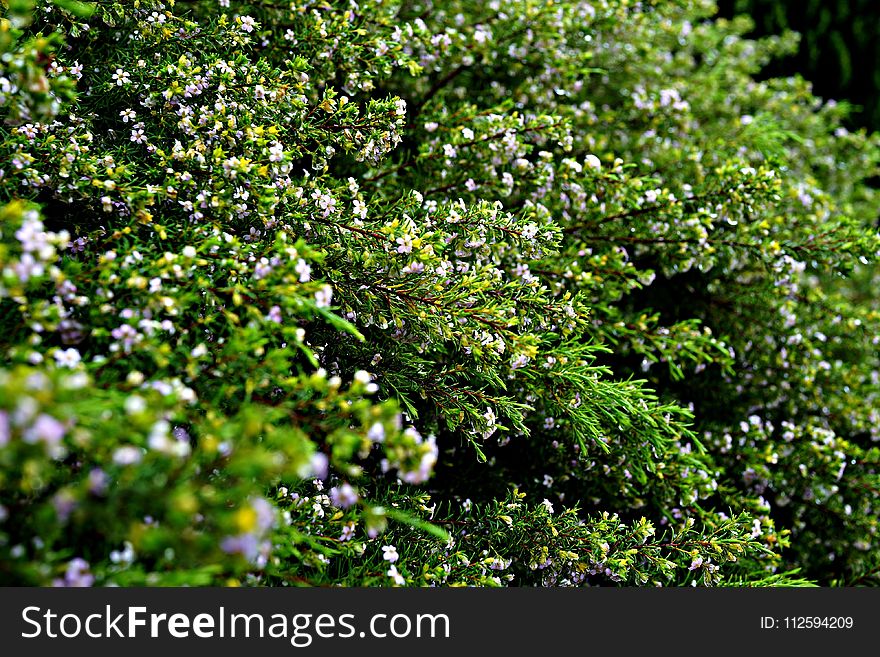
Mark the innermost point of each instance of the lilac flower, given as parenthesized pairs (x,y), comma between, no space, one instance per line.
(45,429)
(343,496)
(246,545)
(274,314)
(265,514)
(318,466)
(29,130)
(247,23)
(76,575)
(262,269)
(5,432)
(64,503)
(98,481)
(252,544)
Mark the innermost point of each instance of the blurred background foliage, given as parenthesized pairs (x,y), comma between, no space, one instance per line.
(839,50)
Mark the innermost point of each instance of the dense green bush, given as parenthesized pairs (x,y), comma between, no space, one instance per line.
(377,293)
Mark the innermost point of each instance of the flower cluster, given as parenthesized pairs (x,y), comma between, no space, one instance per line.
(293,293)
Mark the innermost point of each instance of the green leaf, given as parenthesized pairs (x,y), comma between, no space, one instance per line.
(78,9)
(339,323)
(417,523)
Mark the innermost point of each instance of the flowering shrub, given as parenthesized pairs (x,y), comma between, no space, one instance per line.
(416,293)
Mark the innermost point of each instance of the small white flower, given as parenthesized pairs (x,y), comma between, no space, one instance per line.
(127,455)
(121,77)
(67,358)
(135,404)
(396,576)
(376,433)
(304,270)
(389,553)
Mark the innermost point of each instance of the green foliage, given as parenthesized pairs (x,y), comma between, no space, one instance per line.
(531,293)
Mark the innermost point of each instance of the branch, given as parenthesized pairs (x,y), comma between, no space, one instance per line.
(436,87)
